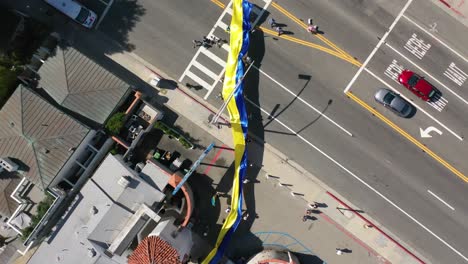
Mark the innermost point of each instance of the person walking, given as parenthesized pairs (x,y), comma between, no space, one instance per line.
(196,43)
(207,43)
(214,198)
(272,22)
(279,30)
(314,205)
(246,216)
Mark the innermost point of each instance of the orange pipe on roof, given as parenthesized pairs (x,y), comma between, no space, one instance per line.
(173,181)
(121,142)
(137,97)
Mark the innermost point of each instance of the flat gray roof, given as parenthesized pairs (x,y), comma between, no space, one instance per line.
(99,216)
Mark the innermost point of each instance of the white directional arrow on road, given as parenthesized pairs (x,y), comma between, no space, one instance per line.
(425,133)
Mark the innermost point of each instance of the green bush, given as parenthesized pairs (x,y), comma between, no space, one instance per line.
(41,210)
(115,123)
(113,151)
(8,82)
(173,133)
(26,232)
(185,143)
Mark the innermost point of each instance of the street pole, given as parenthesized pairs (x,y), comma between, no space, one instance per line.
(215,118)
(193,168)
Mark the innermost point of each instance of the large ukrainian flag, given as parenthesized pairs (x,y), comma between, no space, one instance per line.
(239,45)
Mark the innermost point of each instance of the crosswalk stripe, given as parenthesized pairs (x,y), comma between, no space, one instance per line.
(205,70)
(222,25)
(198,80)
(212,56)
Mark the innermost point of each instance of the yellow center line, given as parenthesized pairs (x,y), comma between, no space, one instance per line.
(312,45)
(304,25)
(218,3)
(408,136)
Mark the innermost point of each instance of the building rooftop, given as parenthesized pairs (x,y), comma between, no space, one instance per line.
(166,244)
(81,85)
(100,223)
(154,249)
(38,137)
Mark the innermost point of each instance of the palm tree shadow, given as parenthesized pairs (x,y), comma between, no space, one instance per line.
(272,116)
(317,118)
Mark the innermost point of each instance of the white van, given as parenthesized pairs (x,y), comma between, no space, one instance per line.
(75,11)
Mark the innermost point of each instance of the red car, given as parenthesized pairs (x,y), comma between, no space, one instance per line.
(417,85)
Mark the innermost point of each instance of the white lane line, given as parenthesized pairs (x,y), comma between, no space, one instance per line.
(303,101)
(438,198)
(378,46)
(426,73)
(363,182)
(434,37)
(415,105)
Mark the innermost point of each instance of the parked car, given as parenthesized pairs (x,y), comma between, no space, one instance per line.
(417,85)
(75,11)
(394,102)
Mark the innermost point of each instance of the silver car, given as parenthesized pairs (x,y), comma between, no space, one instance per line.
(393,102)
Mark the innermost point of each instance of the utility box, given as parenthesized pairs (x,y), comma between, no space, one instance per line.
(155,80)
(8,165)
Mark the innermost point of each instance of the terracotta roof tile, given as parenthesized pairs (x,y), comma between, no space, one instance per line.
(154,250)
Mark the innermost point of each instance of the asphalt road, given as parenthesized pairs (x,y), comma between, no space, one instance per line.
(377,155)
(383,156)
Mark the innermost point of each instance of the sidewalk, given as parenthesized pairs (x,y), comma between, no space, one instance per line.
(298,181)
(458,9)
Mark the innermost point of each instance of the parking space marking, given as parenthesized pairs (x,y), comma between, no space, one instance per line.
(417,47)
(362,181)
(442,201)
(394,70)
(415,105)
(215,158)
(108,6)
(303,101)
(382,40)
(455,74)
(426,73)
(437,39)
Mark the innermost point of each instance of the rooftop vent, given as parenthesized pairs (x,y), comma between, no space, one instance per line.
(94,210)
(8,164)
(124,181)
